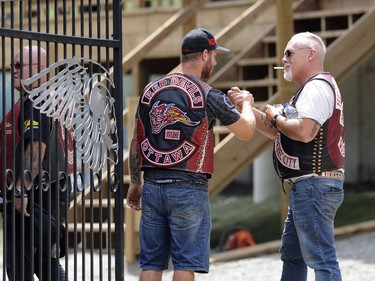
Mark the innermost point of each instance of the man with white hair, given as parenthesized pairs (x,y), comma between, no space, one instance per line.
(309,153)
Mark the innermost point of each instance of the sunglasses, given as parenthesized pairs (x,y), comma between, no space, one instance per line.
(17,65)
(288,53)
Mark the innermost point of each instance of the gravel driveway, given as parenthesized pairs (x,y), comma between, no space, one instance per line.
(356,255)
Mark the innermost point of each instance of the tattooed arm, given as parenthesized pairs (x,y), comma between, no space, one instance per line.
(135,187)
(263,124)
(302,129)
(30,163)
(237,97)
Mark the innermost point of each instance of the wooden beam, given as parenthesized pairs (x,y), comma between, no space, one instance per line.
(133,57)
(131,216)
(239,22)
(352,47)
(230,159)
(274,246)
(232,155)
(160,33)
(284,31)
(190,23)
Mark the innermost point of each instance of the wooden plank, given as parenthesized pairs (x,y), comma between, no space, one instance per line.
(344,11)
(339,60)
(284,31)
(257,61)
(355,228)
(323,34)
(245,18)
(231,156)
(132,247)
(245,83)
(95,227)
(160,33)
(274,246)
(239,22)
(352,47)
(96,202)
(260,249)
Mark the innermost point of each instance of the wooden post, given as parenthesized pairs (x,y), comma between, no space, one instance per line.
(192,22)
(140,77)
(132,217)
(284,31)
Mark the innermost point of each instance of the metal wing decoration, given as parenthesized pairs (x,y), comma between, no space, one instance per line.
(79,103)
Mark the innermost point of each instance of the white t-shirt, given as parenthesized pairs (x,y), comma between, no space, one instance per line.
(316,101)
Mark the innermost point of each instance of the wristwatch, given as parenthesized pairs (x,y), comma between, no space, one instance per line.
(273,120)
(18,193)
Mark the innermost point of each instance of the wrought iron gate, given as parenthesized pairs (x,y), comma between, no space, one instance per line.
(67,57)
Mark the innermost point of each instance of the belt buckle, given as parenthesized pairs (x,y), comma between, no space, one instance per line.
(333,174)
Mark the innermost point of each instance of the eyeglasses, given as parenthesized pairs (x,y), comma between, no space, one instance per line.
(17,65)
(288,53)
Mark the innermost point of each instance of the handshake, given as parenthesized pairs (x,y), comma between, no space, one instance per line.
(238,96)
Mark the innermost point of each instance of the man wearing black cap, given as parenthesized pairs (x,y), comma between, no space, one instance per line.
(173,145)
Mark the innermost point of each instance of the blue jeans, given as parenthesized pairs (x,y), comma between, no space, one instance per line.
(308,238)
(176,223)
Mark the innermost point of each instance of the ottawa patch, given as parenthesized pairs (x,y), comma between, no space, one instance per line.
(167,158)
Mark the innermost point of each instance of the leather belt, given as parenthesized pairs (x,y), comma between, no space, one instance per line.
(332,174)
(328,174)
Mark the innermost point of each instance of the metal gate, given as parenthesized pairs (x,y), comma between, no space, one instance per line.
(61,140)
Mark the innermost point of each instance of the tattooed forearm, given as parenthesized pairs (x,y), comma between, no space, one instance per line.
(283,126)
(314,130)
(134,167)
(31,158)
(264,119)
(134,159)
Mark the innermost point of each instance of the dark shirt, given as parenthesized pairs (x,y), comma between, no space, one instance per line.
(34,126)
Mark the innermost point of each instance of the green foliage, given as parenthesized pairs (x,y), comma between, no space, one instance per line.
(357,207)
(262,220)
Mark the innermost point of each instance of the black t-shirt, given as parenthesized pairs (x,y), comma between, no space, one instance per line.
(220,107)
(33,126)
(36,126)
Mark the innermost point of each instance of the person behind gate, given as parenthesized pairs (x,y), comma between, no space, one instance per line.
(309,153)
(173,145)
(33,201)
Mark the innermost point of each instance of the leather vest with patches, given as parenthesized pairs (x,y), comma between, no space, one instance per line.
(326,152)
(173,130)
(12,148)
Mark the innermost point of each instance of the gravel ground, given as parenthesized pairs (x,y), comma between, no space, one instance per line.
(356,255)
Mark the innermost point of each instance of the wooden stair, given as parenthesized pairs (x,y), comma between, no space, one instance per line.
(252,69)
(339,28)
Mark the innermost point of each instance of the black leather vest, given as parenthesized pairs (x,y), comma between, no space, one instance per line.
(173,130)
(325,152)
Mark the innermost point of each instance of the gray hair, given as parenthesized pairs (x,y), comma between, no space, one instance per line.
(313,41)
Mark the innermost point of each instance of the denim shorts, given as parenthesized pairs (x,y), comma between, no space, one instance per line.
(176,224)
